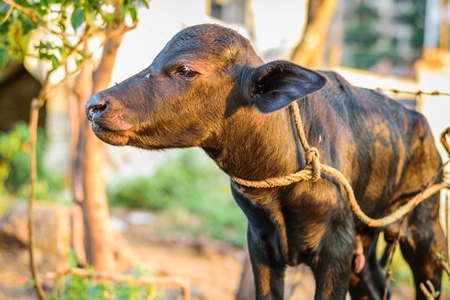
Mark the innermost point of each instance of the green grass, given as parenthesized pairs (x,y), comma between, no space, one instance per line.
(189,188)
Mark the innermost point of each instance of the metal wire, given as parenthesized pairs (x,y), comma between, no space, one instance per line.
(416,93)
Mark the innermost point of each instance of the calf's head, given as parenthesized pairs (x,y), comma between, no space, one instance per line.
(203,76)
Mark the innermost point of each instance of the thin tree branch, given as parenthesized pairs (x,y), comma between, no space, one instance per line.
(25,11)
(36,104)
(33,136)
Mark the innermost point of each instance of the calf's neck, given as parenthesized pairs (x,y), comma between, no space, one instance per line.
(207,88)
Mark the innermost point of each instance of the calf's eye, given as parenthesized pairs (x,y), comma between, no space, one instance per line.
(186,72)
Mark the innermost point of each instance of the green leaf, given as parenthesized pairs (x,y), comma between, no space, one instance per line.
(133,13)
(123,11)
(4,8)
(77,18)
(41,45)
(55,61)
(146,3)
(3,58)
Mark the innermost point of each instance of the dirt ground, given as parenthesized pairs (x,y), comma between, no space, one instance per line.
(213,269)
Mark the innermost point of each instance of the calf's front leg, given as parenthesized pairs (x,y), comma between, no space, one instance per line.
(268,273)
(331,263)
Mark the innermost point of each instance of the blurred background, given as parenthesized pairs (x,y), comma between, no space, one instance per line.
(169,214)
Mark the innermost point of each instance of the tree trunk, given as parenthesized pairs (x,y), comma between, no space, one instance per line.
(88,185)
(311,50)
(96,204)
(82,91)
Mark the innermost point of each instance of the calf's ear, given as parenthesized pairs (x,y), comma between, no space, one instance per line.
(278,83)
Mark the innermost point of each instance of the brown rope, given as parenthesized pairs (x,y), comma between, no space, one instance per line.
(312,173)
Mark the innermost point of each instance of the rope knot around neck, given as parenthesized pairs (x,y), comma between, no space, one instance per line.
(312,154)
(313,162)
(312,172)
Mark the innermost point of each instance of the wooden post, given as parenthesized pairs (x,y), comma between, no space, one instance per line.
(444,42)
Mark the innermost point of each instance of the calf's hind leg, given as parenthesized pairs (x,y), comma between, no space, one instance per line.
(370,282)
(423,239)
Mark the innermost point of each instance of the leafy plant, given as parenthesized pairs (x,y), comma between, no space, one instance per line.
(54,16)
(362,37)
(191,186)
(414,18)
(86,288)
(367,43)
(76,287)
(15,165)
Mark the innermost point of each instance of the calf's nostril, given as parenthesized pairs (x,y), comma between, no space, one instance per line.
(95,107)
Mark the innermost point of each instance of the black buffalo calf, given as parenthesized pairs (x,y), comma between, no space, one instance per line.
(207,88)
